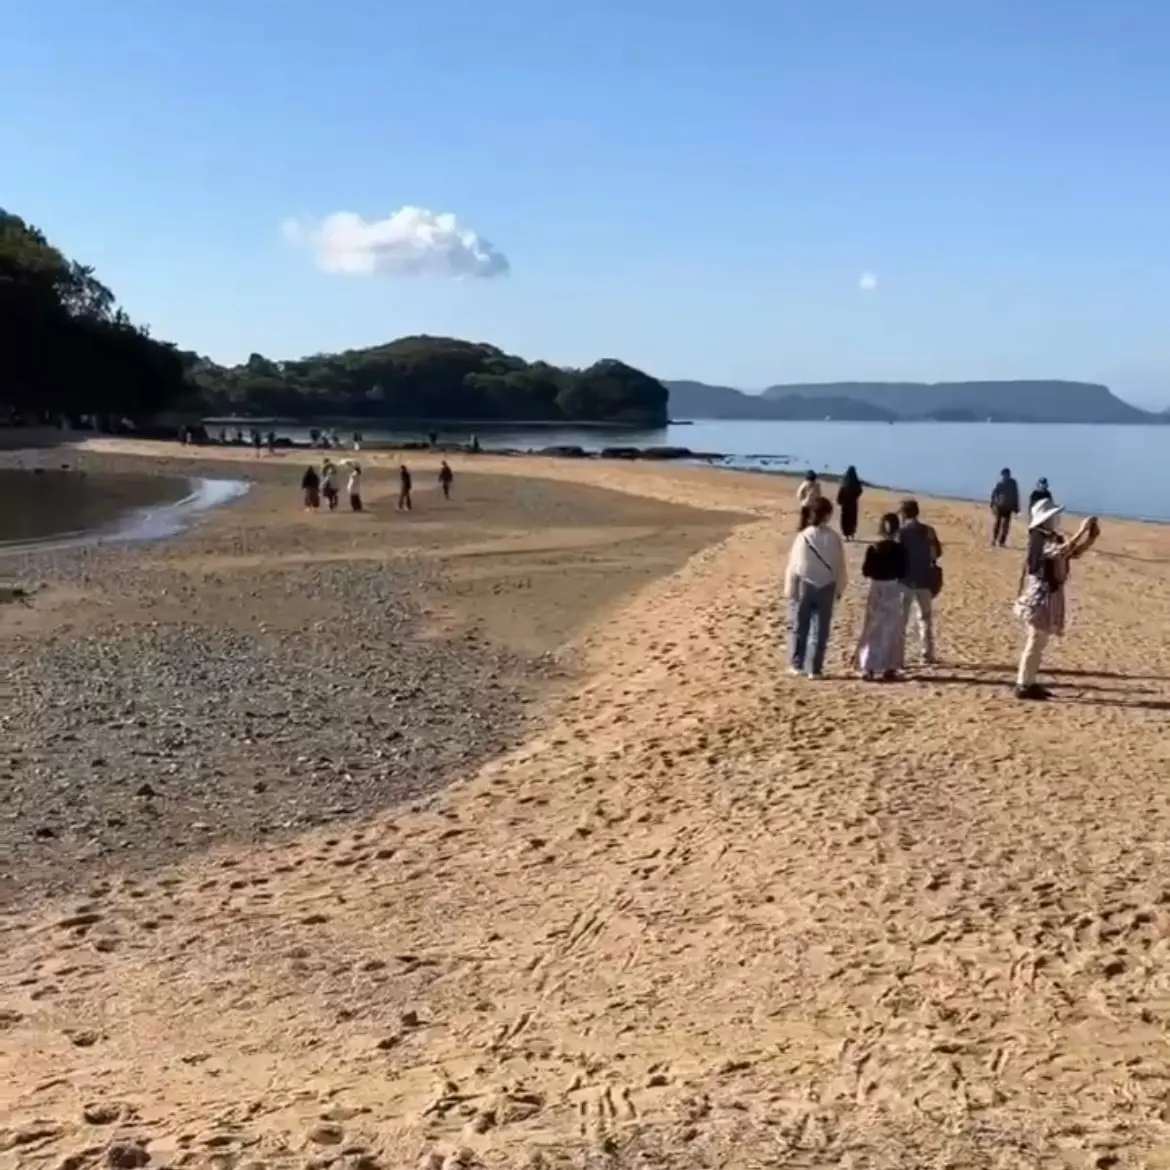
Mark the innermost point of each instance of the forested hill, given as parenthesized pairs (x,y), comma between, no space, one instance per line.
(432,378)
(69,351)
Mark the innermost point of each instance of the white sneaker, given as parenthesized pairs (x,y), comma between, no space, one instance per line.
(795,671)
(815,674)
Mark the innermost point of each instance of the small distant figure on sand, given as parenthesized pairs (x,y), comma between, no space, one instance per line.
(848,499)
(271,442)
(357,440)
(807,495)
(1005,503)
(433,438)
(355,486)
(1041,604)
(311,488)
(879,649)
(446,478)
(1039,492)
(923,579)
(257,443)
(329,484)
(405,486)
(813,582)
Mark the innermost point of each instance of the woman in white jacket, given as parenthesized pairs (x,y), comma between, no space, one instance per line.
(813,582)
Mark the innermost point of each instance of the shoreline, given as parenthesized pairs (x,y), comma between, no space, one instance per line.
(532,462)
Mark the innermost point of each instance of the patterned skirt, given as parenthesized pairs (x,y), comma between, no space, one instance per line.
(1042,606)
(880,648)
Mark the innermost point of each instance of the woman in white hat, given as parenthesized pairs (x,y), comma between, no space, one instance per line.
(1042,582)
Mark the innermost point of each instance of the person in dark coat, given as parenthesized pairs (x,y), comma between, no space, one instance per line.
(1005,503)
(446,478)
(1039,492)
(311,486)
(848,496)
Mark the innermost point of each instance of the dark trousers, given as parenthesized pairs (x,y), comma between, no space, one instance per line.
(1001,528)
(404,504)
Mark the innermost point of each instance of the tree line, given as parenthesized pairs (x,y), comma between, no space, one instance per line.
(70,351)
(435,378)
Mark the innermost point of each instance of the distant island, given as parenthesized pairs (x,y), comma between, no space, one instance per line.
(1001,402)
(431,378)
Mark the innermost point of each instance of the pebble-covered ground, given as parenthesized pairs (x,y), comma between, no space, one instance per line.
(165,710)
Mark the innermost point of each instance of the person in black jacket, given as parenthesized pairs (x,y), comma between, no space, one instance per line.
(1039,492)
(880,647)
(1005,503)
(848,495)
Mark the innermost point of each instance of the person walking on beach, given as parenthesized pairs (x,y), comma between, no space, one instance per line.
(879,649)
(355,487)
(311,487)
(1005,503)
(446,478)
(922,579)
(405,485)
(806,496)
(813,581)
(1039,492)
(848,497)
(1041,604)
(329,484)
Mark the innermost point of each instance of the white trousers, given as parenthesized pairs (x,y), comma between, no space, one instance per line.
(1034,645)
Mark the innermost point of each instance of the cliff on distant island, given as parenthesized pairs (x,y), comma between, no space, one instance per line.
(431,378)
(1019,401)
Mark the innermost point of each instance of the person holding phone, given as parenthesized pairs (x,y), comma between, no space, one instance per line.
(1041,603)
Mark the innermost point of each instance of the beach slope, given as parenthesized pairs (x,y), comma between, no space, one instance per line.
(692,913)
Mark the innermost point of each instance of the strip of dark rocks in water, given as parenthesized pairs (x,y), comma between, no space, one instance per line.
(555,451)
(128,743)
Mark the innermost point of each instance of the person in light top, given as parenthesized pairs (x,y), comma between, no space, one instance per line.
(813,582)
(1041,604)
(355,487)
(806,495)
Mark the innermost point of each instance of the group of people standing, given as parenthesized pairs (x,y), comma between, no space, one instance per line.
(905,577)
(902,568)
(316,486)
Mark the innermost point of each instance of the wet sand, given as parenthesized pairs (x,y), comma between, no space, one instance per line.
(695,913)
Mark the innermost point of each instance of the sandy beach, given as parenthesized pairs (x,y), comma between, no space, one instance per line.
(496,835)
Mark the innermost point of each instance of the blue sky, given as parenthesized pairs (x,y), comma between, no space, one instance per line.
(696,188)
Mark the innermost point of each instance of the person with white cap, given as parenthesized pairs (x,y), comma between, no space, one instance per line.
(1041,601)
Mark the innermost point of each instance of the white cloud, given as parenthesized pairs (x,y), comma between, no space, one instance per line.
(867,281)
(410,242)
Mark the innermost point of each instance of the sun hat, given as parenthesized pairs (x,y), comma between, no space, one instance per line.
(1042,512)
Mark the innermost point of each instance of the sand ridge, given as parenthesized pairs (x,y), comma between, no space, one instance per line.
(706,915)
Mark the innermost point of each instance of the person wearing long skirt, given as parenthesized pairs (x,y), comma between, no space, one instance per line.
(880,647)
(311,488)
(848,498)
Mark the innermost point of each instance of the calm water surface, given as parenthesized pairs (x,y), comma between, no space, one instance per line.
(1113,471)
(50,506)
